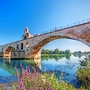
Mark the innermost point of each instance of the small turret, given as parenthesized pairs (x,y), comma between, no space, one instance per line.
(26,34)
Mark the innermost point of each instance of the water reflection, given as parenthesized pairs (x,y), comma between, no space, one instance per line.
(7,68)
(11,64)
(56,57)
(63,66)
(38,62)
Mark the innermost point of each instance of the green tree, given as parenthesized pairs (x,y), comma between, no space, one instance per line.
(56,51)
(67,51)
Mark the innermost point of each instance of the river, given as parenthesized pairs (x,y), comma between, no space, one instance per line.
(64,68)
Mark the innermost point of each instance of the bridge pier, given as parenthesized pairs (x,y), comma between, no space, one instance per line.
(36,55)
(20,55)
(17,54)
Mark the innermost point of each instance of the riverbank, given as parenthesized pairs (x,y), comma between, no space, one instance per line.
(55,54)
(2,85)
(6,87)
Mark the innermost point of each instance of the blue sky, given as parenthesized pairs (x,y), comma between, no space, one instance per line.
(40,16)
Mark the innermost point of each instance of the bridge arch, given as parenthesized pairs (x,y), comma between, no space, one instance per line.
(7,53)
(36,50)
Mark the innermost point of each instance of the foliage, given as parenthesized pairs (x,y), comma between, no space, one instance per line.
(55,51)
(79,53)
(83,75)
(56,54)
(37,81)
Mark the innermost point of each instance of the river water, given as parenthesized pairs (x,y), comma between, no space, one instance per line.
(64,68)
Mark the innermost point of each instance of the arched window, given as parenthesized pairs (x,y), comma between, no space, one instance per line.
(27,34)
(21,46)
(25,37)
(17,46)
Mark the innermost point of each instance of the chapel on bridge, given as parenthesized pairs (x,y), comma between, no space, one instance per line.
(26,34)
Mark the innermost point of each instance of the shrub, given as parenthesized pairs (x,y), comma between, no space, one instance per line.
(83,75)
(37,81)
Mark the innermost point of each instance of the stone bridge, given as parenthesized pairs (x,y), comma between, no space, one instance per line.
(30,46)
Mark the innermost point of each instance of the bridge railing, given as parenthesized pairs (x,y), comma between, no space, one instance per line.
(68,26)
(76,23)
